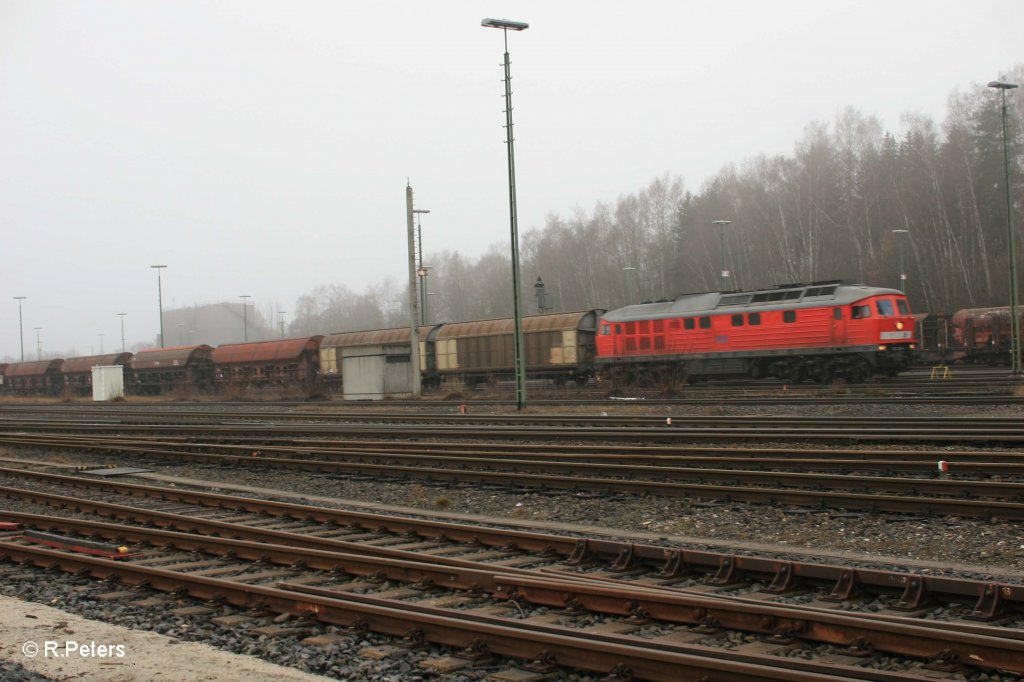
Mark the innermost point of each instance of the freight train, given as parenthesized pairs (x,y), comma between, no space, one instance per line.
(818,331)
(979,336)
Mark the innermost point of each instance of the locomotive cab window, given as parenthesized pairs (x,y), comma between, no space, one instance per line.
(884,307)
(754,318)
(860,311)
(737,320)
(688,323)
(901,305)
(606,329)
(705,323)
(789,316)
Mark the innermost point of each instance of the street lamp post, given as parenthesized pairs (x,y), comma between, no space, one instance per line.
(280,314)
(505,25)
(21,329)
(160,299)
(122,316)
(101,342)
(1003,86)
(903,274)
(724,274)
(39,344)
(245,315)
(421,270)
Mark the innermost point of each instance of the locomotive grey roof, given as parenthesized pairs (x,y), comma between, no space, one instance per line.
(785,297)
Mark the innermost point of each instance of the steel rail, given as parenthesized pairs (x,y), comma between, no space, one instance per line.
(923,463)
(570,419)
(971,644)
(495,468)
(952,434)
(969,459)
(805,497)
(571,648)
(990,598)
(592,452)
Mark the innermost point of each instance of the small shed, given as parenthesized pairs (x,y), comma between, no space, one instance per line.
(375,372)
(107,382)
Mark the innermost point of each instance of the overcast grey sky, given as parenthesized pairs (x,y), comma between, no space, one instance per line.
(260,147)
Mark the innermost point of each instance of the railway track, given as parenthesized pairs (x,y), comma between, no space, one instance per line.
(906,494)
(667,429)
(720,614)
(645,585)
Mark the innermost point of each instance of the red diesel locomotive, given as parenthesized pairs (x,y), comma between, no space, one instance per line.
(819,331)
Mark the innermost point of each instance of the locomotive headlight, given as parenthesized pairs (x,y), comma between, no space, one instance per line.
(883,347)
(899,325)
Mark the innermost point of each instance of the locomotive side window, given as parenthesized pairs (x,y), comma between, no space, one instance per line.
(618,329)
(737,320)
(860,311)
(789,316)
(688,323)
(901,305)
(606,329)
(705,323)
(837,313)
(754,318)
(884,307)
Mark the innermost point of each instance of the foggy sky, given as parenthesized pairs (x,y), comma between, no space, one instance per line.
(263,148)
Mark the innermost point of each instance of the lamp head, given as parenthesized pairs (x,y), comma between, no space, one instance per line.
(505,24)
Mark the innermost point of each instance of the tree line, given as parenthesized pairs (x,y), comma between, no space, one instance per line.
(852,201)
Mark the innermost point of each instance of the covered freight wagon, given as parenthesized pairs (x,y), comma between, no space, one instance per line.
(984,335)
(264,363)
(42,377)
(558,346)
(158,370)
(78,371)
